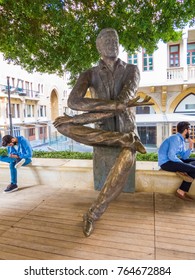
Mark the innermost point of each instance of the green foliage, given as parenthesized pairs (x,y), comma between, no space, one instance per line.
(3,152)
(147,157)
(59,154)
(63,154)
(83,155)
(49,36)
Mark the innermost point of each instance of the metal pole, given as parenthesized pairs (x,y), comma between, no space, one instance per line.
(9,107)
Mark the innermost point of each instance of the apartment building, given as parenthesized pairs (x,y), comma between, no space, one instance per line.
(168,76)
(35,100)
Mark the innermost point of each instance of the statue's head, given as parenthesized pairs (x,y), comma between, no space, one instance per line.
(107,43)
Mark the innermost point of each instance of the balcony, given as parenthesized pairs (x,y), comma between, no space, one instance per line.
(175,74)
(32,94)
(181,74)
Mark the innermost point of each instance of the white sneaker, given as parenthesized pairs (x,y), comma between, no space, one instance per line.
(19,164)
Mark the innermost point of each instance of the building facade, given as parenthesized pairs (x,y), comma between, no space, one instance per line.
(168,76)
(35,101)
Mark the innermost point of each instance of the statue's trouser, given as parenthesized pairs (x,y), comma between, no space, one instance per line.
(114,183)
(96,137)
(118,174)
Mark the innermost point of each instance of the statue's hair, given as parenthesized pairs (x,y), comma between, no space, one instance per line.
(102,33)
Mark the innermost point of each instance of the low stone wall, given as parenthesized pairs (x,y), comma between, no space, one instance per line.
(158,181)
(59,172)
(79,174)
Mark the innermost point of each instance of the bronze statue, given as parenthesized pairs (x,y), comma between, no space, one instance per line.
(113,85)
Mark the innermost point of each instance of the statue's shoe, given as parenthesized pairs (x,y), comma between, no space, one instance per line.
(136,143)
(88,226)
(139,147)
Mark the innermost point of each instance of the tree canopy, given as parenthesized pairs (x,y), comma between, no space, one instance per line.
(54,35)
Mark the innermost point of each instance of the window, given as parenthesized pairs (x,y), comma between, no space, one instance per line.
(31,132)
(42,111)
(18,110)
(147,135)
(191,54)
(132,59)
(143,110)
(42,132)
(27,87)
(15,110)
(13,82)
(40,88)
(66,110)
(174,56)
(29,111)
(147,61)
(190,106)
(20,84)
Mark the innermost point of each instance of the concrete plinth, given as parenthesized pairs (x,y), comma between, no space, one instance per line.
(103,160)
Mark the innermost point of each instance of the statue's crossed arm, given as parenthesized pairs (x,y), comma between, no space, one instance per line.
(92,117)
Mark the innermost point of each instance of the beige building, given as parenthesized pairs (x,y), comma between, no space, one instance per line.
(35,101)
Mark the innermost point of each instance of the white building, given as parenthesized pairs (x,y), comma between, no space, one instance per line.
(168,76)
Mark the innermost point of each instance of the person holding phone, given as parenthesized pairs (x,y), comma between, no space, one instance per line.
(19,154)
(173,155)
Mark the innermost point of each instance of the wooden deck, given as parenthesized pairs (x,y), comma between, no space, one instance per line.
(44,223)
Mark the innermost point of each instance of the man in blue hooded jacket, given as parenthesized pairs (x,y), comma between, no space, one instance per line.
(19,154)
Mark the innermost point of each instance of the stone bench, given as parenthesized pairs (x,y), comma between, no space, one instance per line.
(60,172)
(149,178)
(79,174)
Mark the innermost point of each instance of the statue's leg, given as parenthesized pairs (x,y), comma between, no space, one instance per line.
(97,137)
(113,186)
(84,118)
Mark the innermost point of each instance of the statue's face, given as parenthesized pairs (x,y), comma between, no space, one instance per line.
(109,45)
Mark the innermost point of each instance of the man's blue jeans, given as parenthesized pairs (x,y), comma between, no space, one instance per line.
(12,163)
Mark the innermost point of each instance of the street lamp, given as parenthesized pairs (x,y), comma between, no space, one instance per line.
(9,108)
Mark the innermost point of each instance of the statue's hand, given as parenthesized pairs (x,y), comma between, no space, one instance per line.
(62,120)
(134,102)
(120,107)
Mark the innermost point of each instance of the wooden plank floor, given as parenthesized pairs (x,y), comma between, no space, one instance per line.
(40,222)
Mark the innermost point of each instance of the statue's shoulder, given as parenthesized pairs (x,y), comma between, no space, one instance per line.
(90,70)
(127,66)
(131,67)
(95,68)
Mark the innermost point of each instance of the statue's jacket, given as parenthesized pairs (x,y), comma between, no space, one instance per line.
(107,89)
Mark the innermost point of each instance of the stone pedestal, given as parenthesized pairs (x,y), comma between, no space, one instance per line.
(103,160)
